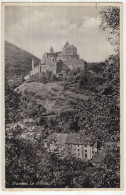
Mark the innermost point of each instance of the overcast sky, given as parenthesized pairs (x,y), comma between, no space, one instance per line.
(35,29)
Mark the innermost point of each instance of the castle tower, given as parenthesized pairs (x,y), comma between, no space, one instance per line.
(33,66)
(66,45)
(51,50)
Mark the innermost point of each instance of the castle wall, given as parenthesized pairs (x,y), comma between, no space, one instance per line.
(74,63)
(44,57)
(51,65)
(35,70)
(51,55)
(60,66)
(38,69)
(43,68)
(68,57)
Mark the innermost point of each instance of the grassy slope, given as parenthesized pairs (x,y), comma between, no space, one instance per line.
(17,61)
(52,95)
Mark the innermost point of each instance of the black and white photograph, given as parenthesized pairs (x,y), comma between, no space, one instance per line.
(62,89)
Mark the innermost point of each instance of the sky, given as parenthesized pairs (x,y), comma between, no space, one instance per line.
(37,28)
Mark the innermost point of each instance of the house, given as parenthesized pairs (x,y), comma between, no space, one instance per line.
(70,145)
(78,146)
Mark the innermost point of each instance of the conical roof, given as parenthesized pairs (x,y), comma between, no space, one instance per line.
(66,44)
(51,50)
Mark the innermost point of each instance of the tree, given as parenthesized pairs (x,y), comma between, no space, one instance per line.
(12,100)
(110,20)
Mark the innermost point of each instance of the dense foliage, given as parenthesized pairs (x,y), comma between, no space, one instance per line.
(110,21)
(12,100)
(27,162)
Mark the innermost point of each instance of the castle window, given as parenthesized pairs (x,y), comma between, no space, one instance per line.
(69,152)
(92,152)
(78,149)
(85,155)
(85,150)
(78,154)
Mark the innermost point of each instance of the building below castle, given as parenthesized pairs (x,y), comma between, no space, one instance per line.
(57,62)
(74,145)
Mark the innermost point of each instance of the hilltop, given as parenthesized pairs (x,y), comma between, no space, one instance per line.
(76,99)
(17,62)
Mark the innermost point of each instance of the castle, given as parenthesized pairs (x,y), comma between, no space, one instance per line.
(57,62)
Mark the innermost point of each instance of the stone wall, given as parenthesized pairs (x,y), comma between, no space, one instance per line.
(51,65)
(67,57)
(43,68)
(34,71)
(38,69)
(60,66)
(74,63)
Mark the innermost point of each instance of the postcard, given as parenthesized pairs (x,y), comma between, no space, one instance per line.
(62,96)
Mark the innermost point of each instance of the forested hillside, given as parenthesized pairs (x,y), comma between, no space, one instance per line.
(18,62)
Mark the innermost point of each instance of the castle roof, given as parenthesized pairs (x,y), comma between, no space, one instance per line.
(51,50)
(67,45)
(74,62)
(71,46)
(77,139)
(59,138)
(72,138)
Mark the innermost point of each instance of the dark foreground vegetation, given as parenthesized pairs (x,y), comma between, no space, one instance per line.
(27,162)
